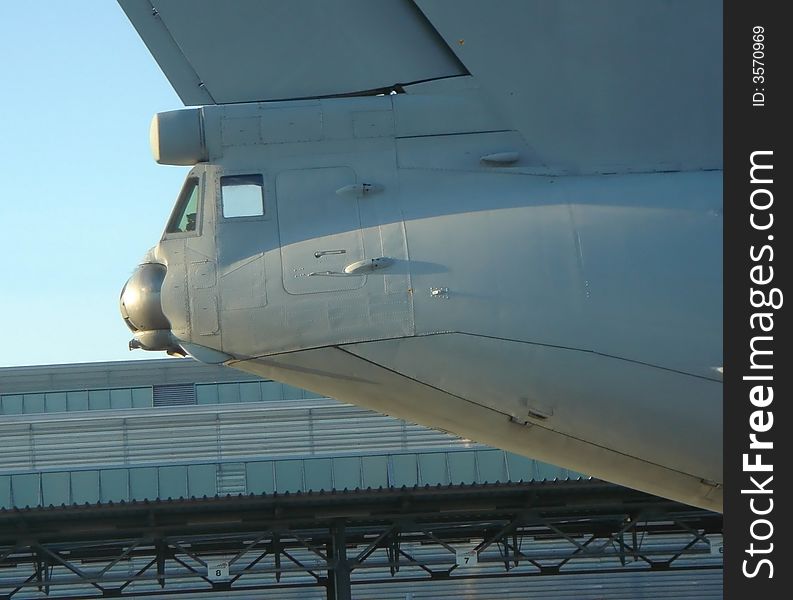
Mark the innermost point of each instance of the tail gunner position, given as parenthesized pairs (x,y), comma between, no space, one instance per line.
(516,239)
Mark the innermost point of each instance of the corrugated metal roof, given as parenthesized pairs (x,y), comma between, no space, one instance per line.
(30,489)
(166,435)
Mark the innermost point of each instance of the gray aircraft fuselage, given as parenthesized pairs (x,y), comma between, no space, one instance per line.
(404,253)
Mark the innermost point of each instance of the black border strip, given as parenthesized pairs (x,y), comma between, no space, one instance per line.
(755,123)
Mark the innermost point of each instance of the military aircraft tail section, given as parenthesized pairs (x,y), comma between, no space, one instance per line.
(606,87)
(521,244)
(598,87)
(288,49)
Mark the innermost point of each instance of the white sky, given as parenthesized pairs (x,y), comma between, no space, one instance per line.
(81,198)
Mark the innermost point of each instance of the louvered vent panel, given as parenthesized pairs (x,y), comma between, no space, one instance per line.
(231,479)
(174,395)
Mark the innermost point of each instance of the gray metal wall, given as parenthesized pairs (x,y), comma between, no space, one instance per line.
(80,486)
(78,400)
(199,434)
(255,447)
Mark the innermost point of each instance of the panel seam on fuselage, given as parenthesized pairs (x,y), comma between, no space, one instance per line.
(509,417)
(603,354)
(492,337)
(431,135)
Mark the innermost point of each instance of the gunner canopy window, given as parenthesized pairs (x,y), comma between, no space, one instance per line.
(184,216)
(242,195)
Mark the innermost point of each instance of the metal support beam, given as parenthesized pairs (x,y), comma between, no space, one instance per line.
(338,585)
(292,541)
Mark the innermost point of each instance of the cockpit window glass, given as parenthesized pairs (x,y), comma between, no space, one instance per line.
(184,216)
(242,196)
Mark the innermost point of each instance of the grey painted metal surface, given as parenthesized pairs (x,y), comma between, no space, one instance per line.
(593,86)
(590,86)
(386,43)
(548,263)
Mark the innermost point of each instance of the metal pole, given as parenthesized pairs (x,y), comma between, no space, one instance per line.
(339,575)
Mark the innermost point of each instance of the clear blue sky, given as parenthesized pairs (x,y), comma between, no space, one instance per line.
(81,198)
